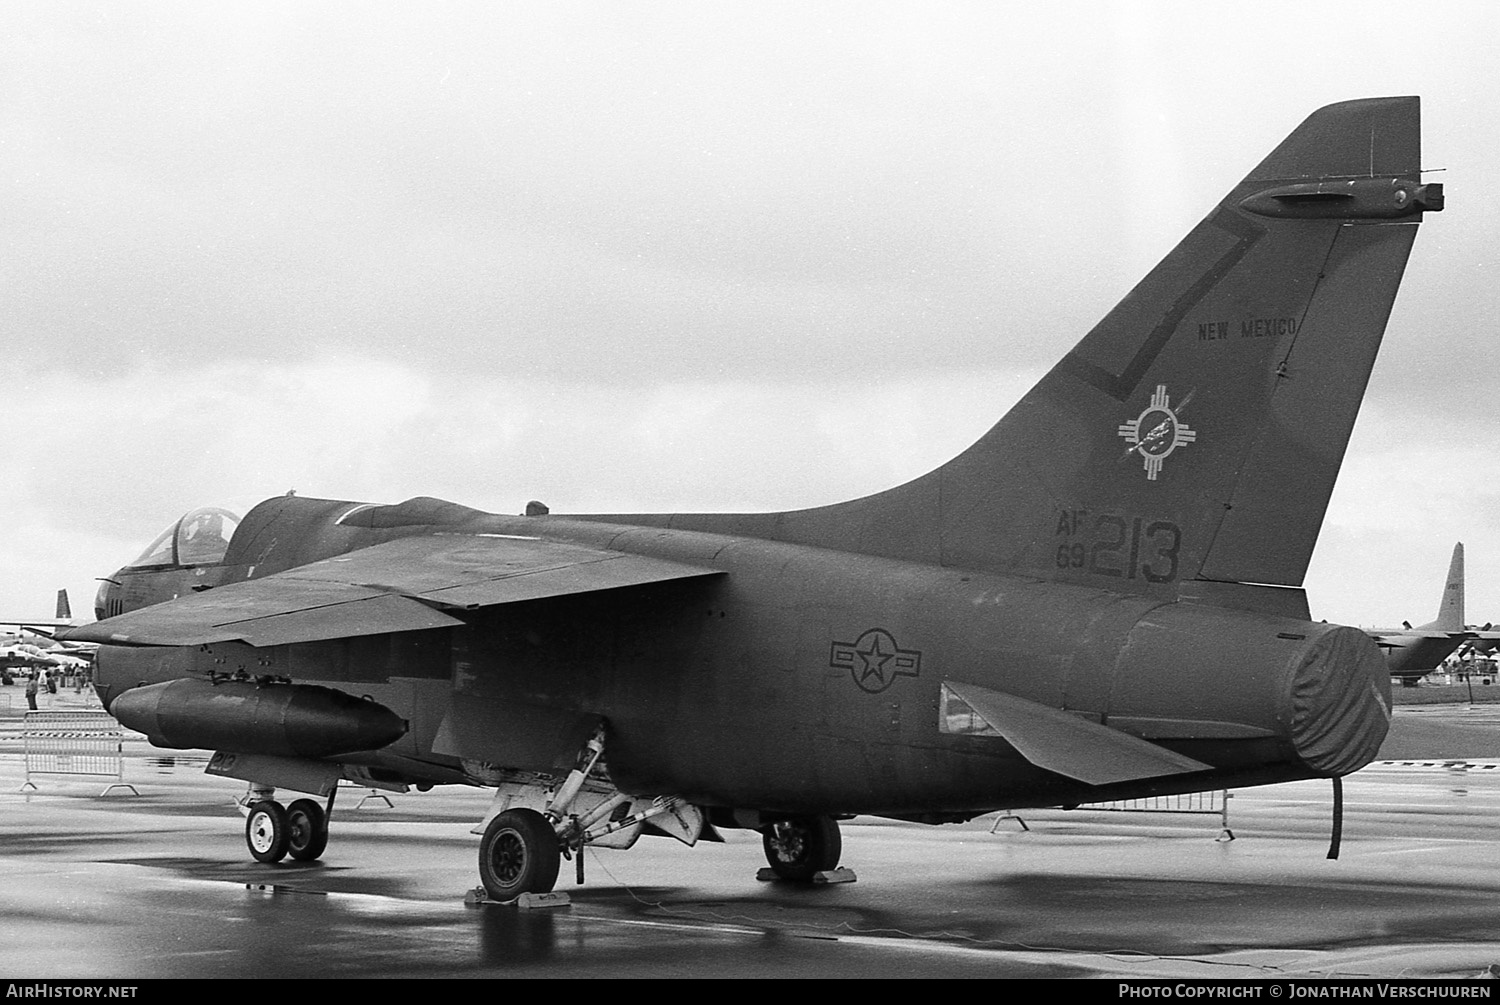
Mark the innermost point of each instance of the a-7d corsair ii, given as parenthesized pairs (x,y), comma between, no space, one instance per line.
(1100,599)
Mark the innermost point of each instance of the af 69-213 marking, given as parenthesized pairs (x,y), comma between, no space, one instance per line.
(1121,546)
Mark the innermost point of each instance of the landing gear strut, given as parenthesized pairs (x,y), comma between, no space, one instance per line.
(522,846)
(799,848)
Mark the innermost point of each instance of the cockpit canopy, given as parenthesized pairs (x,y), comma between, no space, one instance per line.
(199,538)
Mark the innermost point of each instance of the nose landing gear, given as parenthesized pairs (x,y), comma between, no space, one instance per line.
(273,831)
(266,831)
(307,827)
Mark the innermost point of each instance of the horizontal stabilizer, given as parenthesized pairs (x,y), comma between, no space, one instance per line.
(1397,638)
(1062,742)
(41,626)
(400,586)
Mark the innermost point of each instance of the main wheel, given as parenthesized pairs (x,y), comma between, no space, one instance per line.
(799,847)
(266,831)
(307,830)
(518,854)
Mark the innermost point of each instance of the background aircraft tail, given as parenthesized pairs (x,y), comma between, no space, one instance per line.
(1451,608)
(1190,441)
(64,609)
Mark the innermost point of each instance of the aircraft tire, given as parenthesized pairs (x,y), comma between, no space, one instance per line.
(307,830)
(518,854)
(800,847)
(266,831)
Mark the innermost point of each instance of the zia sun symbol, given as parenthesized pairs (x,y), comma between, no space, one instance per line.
(1157,431)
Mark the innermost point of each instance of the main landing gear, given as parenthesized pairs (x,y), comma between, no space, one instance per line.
(520,853)
(273,831)
(799,848)
(538,821)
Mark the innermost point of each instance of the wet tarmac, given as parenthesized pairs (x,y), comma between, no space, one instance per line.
(160,885)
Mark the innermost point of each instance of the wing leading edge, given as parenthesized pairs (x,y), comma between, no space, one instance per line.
(403,585)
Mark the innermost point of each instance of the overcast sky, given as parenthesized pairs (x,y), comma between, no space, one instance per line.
(672,256)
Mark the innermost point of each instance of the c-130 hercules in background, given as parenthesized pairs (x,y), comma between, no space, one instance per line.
(1100,599)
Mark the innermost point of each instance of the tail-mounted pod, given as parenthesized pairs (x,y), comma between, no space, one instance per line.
(1347,199)
(290,720)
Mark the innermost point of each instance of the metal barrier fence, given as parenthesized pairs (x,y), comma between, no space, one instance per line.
(89,743)
(1215,803)
(15,698)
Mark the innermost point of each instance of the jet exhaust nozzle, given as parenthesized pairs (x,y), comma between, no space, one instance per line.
(1328,684)
(290,720)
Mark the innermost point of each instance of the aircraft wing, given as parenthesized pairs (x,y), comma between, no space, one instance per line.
(402,585)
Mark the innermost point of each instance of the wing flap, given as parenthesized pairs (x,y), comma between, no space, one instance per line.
(402,585)
(1062,742)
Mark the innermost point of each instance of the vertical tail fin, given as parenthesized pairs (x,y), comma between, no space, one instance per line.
(1451,608)
(1194,434)
(64,609)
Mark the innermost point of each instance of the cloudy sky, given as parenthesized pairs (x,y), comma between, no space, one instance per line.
(672,256)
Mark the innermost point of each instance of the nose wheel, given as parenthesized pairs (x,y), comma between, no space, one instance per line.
(273,831)
(267,831)
(307,830)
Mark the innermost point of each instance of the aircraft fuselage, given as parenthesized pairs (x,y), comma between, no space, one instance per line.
(806,680)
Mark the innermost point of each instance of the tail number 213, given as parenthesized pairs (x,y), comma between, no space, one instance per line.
(1126,548)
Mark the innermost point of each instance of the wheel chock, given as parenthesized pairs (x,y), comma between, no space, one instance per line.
(525,902)
(277,888)
(766,874)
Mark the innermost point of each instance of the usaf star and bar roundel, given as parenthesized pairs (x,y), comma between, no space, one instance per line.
(874,660)
(1157,431)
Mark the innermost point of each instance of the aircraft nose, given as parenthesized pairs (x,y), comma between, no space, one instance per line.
(106,603)
(1340,702)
